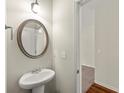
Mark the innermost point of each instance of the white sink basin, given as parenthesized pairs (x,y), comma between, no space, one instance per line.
(36,80)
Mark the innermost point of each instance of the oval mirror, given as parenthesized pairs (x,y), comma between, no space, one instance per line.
(32,38)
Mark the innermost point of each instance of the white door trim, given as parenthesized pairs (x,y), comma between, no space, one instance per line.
(76,45)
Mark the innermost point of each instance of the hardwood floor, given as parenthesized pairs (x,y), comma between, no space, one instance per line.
(96,88)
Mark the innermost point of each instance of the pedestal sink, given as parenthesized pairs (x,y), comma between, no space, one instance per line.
(36,80)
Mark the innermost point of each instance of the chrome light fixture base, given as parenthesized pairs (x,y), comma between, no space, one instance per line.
(33,6)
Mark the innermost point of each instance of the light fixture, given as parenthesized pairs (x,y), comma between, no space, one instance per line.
(35,7)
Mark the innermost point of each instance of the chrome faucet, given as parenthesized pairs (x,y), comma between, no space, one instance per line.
(37,70)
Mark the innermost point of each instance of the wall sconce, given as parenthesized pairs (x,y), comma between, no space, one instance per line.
(35,7)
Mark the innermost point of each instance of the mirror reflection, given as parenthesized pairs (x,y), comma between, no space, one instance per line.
(33,38)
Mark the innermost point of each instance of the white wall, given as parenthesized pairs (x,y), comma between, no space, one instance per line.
(106,38)
(17,63)
(63,44)
(87,34)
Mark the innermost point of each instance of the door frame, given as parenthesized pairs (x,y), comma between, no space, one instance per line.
(76,45)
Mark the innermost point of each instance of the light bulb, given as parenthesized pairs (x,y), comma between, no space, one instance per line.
(35,7)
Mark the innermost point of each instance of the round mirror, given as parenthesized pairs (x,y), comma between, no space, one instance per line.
(32,38)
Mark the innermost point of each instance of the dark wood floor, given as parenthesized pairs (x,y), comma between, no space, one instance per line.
(96,88)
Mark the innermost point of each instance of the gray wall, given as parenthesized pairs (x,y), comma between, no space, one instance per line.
(17,63)
(107,43)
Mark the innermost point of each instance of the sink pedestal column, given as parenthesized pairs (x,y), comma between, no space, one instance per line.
(39,89)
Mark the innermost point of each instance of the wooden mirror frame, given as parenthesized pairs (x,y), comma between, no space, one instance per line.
(19,40)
